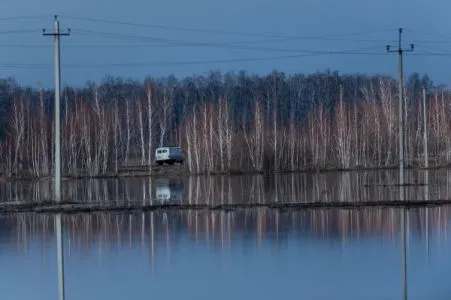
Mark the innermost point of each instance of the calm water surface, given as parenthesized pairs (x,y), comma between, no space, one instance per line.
(245,254)
(318,254)
(345,186)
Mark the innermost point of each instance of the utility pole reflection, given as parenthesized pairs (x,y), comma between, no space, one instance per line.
(404,219)
(60,256)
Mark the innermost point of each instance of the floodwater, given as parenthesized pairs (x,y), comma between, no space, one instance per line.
(367,253)
(345,186)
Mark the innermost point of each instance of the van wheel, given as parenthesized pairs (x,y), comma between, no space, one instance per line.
(160,163)
(171,162)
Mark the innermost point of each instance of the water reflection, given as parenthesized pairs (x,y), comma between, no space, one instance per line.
(317,248)
(336,225)
(344,186)
(311,249)
(405,234)
(60,256)
(426,197)
(168,190)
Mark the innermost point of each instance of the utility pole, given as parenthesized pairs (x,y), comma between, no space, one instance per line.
(56,35)
(59,230)
(400,52)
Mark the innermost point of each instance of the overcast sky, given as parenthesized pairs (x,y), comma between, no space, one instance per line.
(265,31)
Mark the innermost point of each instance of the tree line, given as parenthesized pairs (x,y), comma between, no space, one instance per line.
(233,122)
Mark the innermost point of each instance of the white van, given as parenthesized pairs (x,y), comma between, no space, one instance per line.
(169,155)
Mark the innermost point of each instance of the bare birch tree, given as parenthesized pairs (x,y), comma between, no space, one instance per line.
(342,133)
(128,131)
(255,138)
(18,126)
(165,114)
(141,130)
(150,110)
(116,130)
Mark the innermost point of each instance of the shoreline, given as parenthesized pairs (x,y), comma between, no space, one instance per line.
(77,207)
(176,171)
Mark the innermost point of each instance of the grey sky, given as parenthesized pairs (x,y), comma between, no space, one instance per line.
(319,18)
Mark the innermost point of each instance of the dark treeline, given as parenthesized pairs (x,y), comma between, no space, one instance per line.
(224,122)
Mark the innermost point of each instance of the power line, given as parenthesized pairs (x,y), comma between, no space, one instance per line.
(175,42)
(113,35)
(193,62)
(31,17)
(437,54)
(444,36)
(236,33)
(144,45)
(18,31)
(429,52)
(436,51)
(148,41)
(11,66)
(331,37)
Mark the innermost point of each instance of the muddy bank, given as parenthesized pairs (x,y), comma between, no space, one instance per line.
(74,207)
(123,172)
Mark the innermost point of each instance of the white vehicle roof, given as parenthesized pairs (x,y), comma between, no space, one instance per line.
(170,147)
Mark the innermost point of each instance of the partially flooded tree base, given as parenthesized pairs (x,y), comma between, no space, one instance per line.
(396,184)
(182,171)
(79,207)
